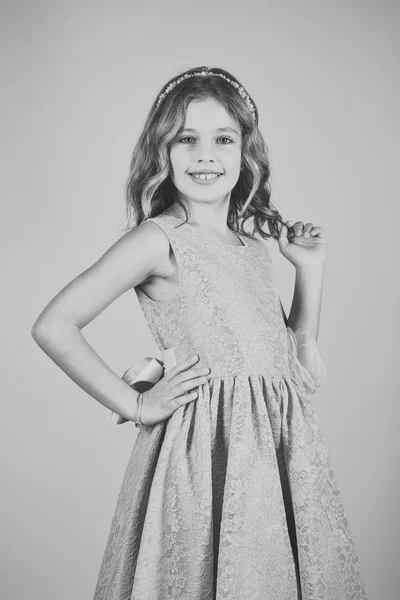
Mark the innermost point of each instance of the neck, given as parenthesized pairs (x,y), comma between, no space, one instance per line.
(209,218)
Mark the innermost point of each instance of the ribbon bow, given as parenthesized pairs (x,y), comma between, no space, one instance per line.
(143,375)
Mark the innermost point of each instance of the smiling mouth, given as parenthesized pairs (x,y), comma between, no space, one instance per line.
(205,176)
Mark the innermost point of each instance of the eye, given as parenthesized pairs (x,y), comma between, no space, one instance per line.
(188,137)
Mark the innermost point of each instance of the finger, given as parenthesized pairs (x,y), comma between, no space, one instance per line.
(298,228)
(183,387)
(317,230)
(182,365)
(283,236)
(290,232)
(191,375)
(283,231)
(182,400)
(307,229)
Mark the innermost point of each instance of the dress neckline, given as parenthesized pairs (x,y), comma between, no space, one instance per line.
(204,237)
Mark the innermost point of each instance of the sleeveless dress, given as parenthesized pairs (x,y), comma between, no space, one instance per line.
(233,497)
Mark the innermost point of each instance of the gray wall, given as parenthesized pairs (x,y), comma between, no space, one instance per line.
(79,79)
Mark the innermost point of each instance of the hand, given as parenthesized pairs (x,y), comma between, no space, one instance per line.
(303,245)
(171,391)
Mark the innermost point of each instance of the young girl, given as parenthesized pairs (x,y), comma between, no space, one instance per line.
(229,492)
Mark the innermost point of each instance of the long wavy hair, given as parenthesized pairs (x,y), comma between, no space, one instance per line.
(150,189)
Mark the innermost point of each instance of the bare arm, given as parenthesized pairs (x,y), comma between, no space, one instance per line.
(305,247)
(136,256)
(304,321)
(305,312)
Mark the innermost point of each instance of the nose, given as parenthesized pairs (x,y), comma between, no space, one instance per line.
(205,152)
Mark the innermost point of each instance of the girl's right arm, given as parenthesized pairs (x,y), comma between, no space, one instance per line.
(140,253)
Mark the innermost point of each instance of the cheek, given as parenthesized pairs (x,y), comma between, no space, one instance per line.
(236,162)
(176,161)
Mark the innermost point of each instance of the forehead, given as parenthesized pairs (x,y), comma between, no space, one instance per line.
(208,115)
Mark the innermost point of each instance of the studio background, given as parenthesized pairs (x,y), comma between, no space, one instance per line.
(79,79)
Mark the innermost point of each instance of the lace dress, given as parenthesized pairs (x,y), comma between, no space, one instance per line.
(233,497)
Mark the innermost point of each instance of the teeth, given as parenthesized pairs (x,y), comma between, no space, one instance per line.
(205,175)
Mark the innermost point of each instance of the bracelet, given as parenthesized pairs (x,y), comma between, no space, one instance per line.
(139,423)
(142,376)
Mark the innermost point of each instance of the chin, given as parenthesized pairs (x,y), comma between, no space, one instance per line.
(205,195)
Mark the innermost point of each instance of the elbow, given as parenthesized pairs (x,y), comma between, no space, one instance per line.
(45,329)
(50,335)
(36,329)
(39,330)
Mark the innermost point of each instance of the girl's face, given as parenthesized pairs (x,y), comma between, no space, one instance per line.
(209,143)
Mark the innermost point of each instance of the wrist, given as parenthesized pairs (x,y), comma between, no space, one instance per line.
(310,266)
(135,408)
(139,404)
(312,269)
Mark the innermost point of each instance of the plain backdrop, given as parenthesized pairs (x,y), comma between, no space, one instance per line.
(78,80)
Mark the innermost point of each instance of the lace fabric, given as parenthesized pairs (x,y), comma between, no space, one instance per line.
(234,495)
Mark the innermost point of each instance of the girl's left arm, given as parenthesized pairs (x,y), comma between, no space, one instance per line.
(305,247)
(305,312)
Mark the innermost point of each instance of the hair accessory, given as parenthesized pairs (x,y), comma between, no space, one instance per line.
(142,376)
(242,92)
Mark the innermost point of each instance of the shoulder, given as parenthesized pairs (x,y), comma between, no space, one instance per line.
(147,237)
(140,253)
(150,240)
(152,230)
(156,229)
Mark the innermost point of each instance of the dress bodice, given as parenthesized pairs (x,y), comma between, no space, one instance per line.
(227,308)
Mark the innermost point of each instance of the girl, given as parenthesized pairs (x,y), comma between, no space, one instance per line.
(229,492)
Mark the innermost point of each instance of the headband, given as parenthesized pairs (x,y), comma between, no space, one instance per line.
(242,92)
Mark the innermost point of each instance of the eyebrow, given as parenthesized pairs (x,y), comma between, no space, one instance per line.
(219,129)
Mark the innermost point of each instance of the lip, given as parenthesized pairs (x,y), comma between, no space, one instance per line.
(206,171)
(205,181)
